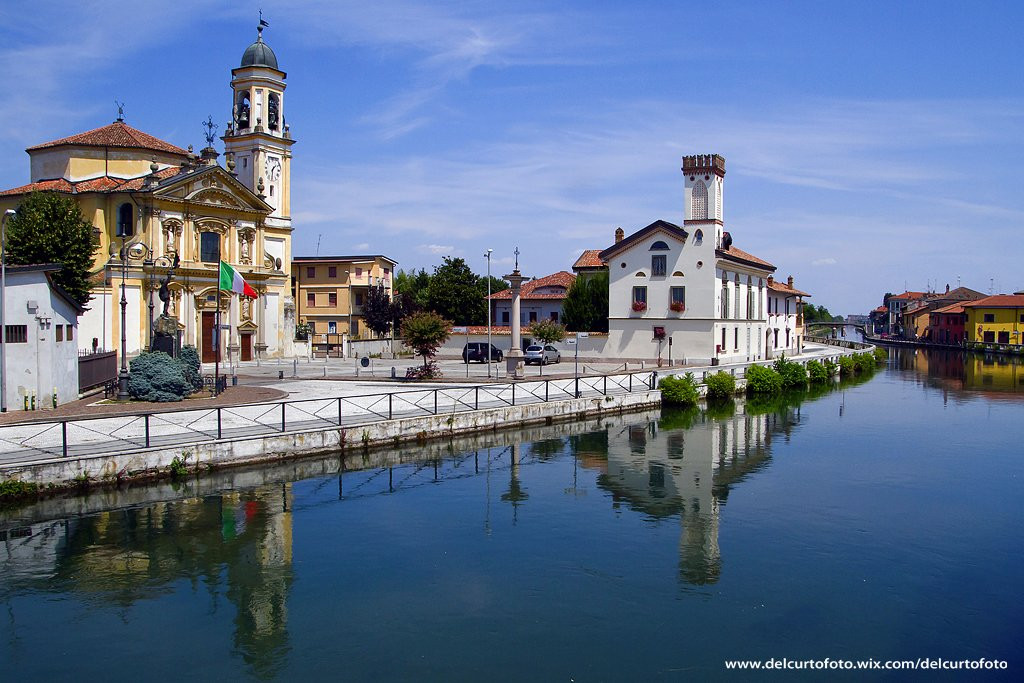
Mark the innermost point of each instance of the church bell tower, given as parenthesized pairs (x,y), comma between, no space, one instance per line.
(258,139)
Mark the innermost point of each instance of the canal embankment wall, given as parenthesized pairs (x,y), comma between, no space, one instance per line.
(146,464)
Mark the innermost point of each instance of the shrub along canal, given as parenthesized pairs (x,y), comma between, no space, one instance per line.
(879,519)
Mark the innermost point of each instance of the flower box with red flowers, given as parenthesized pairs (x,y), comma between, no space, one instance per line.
(639,306)
(677,306)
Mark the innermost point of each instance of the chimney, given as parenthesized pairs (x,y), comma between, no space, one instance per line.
(789,282)
(619,234)
(947,288)
(771,280)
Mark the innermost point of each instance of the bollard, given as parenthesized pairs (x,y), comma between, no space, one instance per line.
(55,397)
(393,373)
(295,368)
(280,374)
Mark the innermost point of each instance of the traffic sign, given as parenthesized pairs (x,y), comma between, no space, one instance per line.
(460,330)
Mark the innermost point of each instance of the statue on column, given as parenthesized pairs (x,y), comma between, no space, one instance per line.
(165,327)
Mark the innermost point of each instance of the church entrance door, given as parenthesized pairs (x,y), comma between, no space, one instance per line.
(246,340)
(209,332)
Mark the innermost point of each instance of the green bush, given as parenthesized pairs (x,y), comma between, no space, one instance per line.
(831,367)
(846,366)
(763,381)
(188,358)
(881,355)
(864,362)
(818,373)
(793,374)
(15,489)
(679,391)
(427,371)
(155,376)
(720,385)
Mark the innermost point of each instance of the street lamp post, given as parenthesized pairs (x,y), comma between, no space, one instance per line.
(489,359)
(149,264)
(122,376)
(3,309)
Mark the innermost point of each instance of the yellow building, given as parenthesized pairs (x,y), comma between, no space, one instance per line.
(996,319)
(152,201)
(329,292)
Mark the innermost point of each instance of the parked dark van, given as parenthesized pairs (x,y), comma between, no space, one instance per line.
(478,351)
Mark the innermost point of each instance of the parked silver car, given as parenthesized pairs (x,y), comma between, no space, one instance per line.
(538,354)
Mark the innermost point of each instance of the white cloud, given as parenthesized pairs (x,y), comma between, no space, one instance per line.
(436,249)
(829,261)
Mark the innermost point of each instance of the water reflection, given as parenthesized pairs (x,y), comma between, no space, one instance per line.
(963,371)
(685,465)
(237,544)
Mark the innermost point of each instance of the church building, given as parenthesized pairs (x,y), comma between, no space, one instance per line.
(154,205)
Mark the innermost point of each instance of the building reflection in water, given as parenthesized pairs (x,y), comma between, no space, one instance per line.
(965,371)
(684,466)
(240,538)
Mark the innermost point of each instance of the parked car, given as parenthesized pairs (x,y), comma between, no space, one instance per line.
(478,351)
(538,354)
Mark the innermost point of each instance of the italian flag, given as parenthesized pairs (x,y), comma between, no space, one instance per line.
(233,282)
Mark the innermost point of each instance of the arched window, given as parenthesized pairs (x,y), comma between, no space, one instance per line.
(273,111)
(699,201)
(698,237)
(125,220)
(209,247)
(242,109)
(659,246)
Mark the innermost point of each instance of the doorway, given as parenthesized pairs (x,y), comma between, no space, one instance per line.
(246,351)
(209,333)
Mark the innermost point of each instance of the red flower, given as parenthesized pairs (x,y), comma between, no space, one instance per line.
(677,306)
(639,306)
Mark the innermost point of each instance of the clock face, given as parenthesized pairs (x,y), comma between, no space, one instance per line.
(273,168)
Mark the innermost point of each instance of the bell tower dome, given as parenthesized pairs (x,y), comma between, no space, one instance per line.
(258,138)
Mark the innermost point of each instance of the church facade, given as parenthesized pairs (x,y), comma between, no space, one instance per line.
(154,206)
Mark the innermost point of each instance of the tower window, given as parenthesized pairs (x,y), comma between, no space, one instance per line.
(699,201)
(125,221)
(698,237)
(242,109)
(209,247)
(273,111)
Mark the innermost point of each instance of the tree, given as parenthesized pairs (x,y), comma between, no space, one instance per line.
(50,228)
(378,310)
(454,293)
(585,308)
(425,332)
(411,290)
(547,331)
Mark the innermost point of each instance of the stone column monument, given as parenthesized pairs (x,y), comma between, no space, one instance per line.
(514,358)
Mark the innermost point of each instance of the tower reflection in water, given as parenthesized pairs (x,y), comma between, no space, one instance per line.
(684,466)
(236,544)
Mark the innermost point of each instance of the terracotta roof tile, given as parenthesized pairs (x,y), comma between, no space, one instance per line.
(591,258)
(952,308)
(786,289)
(559,279)
(881,309)
(117,134)
(909,295)
(997,301)
(101,184)
(734,253)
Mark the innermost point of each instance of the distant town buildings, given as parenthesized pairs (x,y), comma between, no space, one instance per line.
(540,299)
(330,291)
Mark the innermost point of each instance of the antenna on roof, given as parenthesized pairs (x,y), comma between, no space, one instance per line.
(120,112)
(318,243)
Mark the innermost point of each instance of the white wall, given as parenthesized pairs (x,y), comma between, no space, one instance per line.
(41,364)
(96,322)
(272,314)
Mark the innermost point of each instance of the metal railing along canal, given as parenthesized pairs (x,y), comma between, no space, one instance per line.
(125,433)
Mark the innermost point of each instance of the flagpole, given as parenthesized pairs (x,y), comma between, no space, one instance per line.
(216,353)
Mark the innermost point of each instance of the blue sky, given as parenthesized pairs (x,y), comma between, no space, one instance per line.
(869,146)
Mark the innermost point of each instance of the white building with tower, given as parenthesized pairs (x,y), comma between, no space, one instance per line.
(687,293)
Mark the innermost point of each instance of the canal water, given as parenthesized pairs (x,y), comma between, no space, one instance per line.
(881,519)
